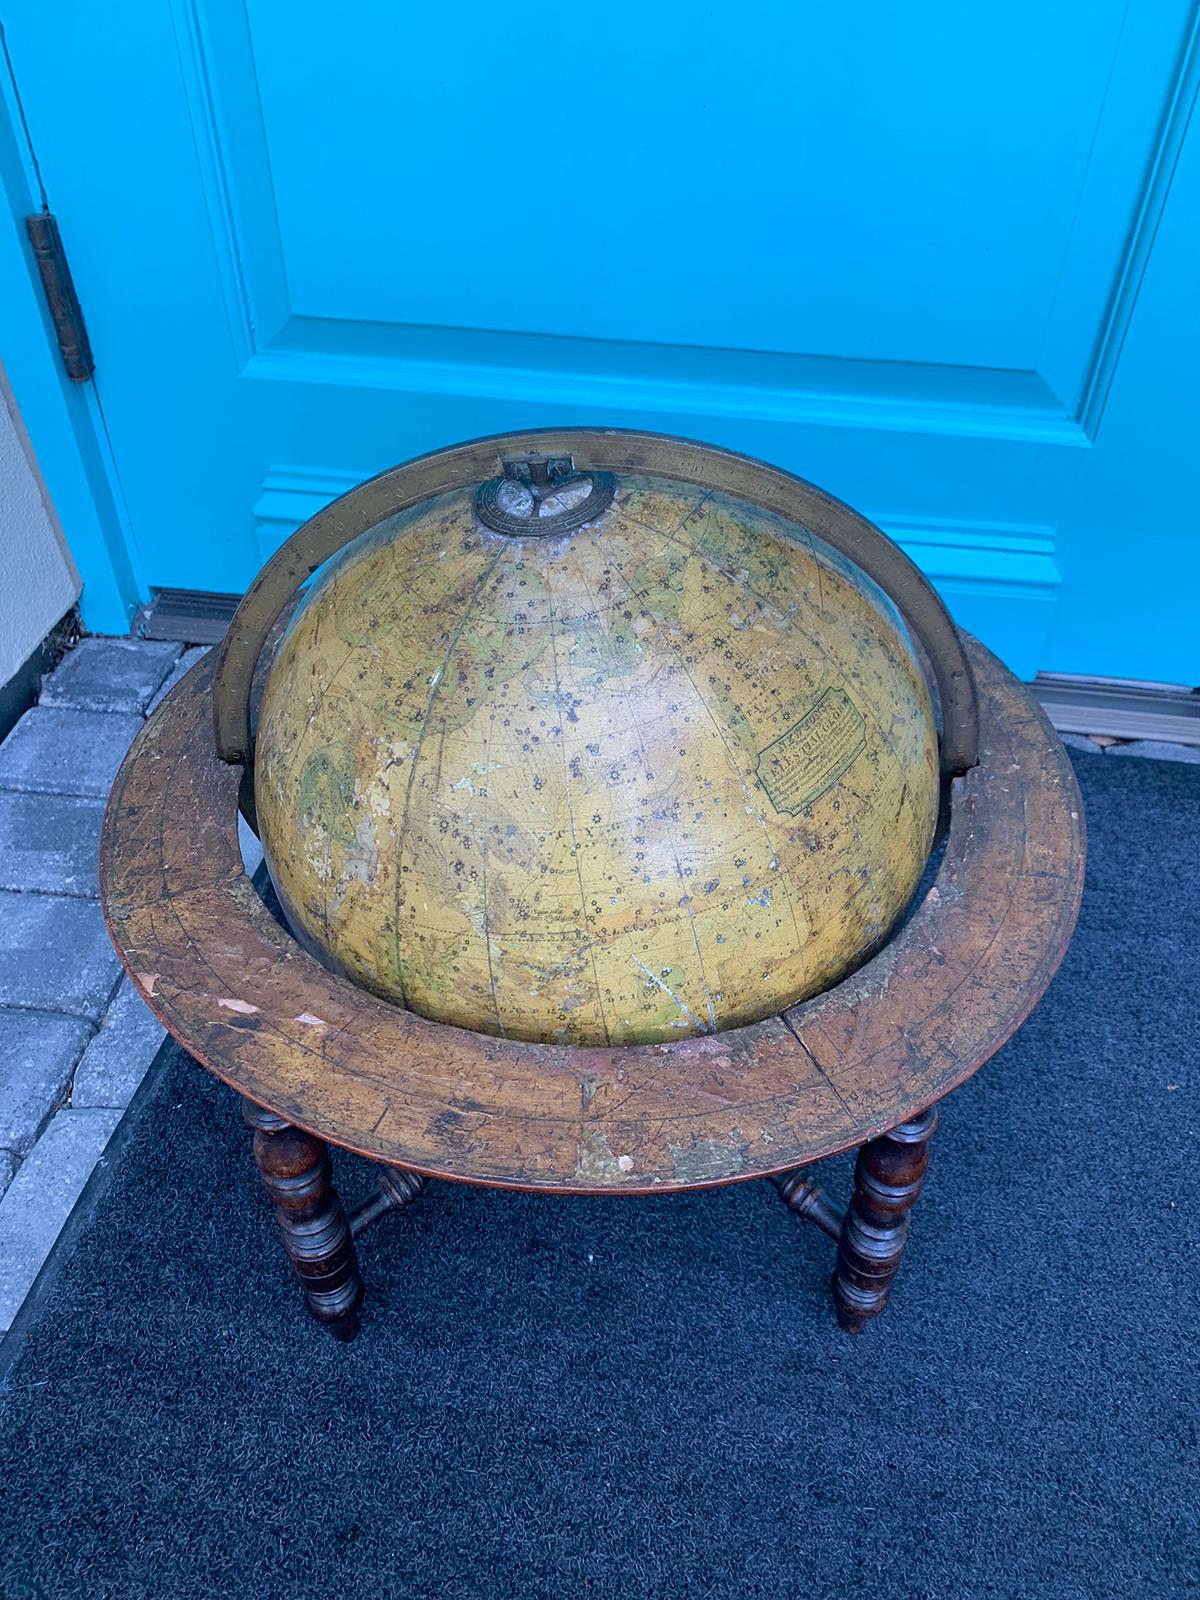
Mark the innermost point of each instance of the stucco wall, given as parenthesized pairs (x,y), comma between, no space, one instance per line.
(38,581)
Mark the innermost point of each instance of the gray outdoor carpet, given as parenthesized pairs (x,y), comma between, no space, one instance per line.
(650,1398)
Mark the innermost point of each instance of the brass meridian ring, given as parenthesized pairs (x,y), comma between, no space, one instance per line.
(596,452)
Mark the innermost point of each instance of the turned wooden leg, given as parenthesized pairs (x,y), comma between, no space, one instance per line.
(294,1167)
(887,1180)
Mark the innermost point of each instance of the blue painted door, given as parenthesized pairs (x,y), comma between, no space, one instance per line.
(934,257)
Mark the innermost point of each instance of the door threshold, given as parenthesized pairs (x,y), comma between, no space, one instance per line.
(1119,709)
(187,616)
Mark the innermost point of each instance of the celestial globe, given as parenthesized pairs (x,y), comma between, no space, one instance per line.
(594,758)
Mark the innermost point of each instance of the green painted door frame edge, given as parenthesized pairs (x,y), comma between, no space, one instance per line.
(63,419)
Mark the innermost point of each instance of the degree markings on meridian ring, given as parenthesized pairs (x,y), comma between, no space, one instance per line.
(802,763)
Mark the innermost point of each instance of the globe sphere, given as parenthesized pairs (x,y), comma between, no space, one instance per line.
(654,775)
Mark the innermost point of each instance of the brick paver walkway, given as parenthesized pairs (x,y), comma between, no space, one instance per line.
(75,1038)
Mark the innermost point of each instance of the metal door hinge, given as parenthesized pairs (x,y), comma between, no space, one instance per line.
(59,290)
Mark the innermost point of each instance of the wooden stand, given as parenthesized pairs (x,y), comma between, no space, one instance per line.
(295,1171)
(872,1231)
(768,1100)
(318,1234)
(888,1176)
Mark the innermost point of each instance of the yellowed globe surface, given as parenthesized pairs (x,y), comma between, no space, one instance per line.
(656,776)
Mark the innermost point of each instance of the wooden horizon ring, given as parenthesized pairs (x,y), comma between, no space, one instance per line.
(890,1040)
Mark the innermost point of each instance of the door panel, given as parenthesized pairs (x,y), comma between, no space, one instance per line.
(737,197)
(898,250)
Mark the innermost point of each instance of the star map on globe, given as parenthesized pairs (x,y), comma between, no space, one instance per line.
(660,772)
